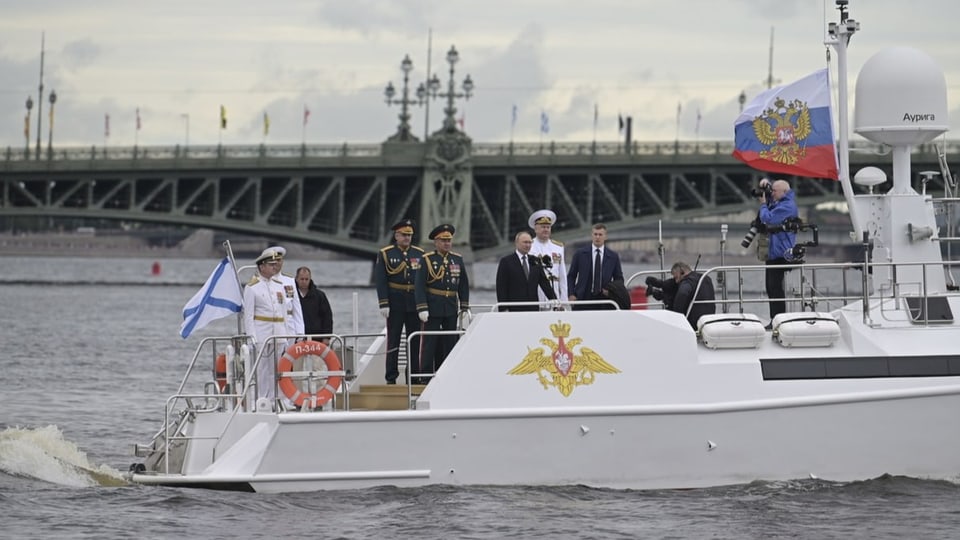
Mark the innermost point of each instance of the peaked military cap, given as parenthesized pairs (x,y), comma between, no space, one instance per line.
(542,217)
(270,254)
(444,232)
(279,249)
(404,226)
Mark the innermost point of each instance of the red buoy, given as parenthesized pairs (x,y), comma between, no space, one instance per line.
(155,269)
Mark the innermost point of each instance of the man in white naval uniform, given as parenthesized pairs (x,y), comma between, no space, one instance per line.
(295,322)
(542,222)
(267,311)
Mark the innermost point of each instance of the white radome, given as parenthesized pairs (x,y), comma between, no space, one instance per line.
(901,98)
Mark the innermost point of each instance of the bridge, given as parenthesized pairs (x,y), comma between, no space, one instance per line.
(345,197)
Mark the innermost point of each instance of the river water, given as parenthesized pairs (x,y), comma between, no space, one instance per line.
(91,351)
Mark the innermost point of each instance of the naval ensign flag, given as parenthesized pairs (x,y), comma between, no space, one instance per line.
(220,296)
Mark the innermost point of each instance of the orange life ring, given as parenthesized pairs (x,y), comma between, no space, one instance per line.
(296,352)
(220,371)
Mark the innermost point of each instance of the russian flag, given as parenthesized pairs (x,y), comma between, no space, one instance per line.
(789,129)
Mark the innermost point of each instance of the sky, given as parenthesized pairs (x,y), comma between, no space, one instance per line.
(663,63)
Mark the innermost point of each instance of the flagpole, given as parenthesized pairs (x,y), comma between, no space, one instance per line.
(303,128)
(676,140)
(596,112)
(233,263)
(426,108)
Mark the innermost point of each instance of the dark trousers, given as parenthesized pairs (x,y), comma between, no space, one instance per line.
(436,348)
(395,326)
(775,288)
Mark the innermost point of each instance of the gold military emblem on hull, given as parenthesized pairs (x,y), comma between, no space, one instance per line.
(561,366)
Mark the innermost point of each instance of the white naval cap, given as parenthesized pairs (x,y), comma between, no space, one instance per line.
(279,249)
(270,254)
(542,216)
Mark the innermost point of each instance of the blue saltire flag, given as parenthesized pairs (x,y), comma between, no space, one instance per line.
(544,123)
(789,129)
(220,296)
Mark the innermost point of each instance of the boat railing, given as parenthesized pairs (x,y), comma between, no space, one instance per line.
(820,287)
(236,393)
(420,334)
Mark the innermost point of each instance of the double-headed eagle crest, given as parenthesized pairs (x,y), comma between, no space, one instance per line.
(561,367)
(782,128)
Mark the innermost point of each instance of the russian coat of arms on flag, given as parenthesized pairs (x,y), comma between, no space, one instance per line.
(789,129)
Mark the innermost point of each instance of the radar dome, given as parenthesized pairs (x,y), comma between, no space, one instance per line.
(901,98)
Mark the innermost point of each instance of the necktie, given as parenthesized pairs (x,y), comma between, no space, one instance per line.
(526,267)
(596,274)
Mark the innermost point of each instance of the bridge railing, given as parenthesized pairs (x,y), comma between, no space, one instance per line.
(301,151)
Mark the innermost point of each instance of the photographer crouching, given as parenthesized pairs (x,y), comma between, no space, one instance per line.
(778,211)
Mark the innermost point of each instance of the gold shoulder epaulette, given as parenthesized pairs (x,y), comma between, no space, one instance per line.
(557,242)
(418,248)
(385,248)
(456,254)
(253,281)
(428,253)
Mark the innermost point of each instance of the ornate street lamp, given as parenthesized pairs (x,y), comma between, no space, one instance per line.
(449,120)
(742,99)
(53,101)
(26,128)
(403,130)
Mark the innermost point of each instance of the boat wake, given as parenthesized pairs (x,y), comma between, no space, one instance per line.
(43,454)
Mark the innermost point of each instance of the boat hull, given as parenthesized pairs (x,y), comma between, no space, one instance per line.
(648,447)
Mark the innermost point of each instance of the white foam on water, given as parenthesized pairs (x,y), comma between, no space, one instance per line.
(43,453)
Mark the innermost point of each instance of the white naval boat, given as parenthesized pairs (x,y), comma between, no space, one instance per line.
(847,386)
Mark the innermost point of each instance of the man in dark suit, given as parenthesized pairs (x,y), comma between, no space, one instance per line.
(592,268)
(518,277)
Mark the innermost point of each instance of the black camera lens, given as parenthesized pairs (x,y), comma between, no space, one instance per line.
(748,238)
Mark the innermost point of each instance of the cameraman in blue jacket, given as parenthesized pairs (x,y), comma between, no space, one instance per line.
(778,207)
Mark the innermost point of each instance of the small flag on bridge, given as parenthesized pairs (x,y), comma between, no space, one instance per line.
(223,117)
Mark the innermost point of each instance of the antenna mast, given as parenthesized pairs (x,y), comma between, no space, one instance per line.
(770,63)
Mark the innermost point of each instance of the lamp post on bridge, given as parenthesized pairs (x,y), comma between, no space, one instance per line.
(26,128)
(742,99)
(449,120)
(448,171)
(403,131)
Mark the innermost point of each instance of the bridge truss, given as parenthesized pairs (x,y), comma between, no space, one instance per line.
(345,198)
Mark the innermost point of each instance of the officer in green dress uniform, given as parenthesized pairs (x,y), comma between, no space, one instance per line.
(442,292)
(394,273)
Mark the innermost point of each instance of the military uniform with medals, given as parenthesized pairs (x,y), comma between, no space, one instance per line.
(267,311)
(557,272)
(442,292)
(394,275)
(295,319)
